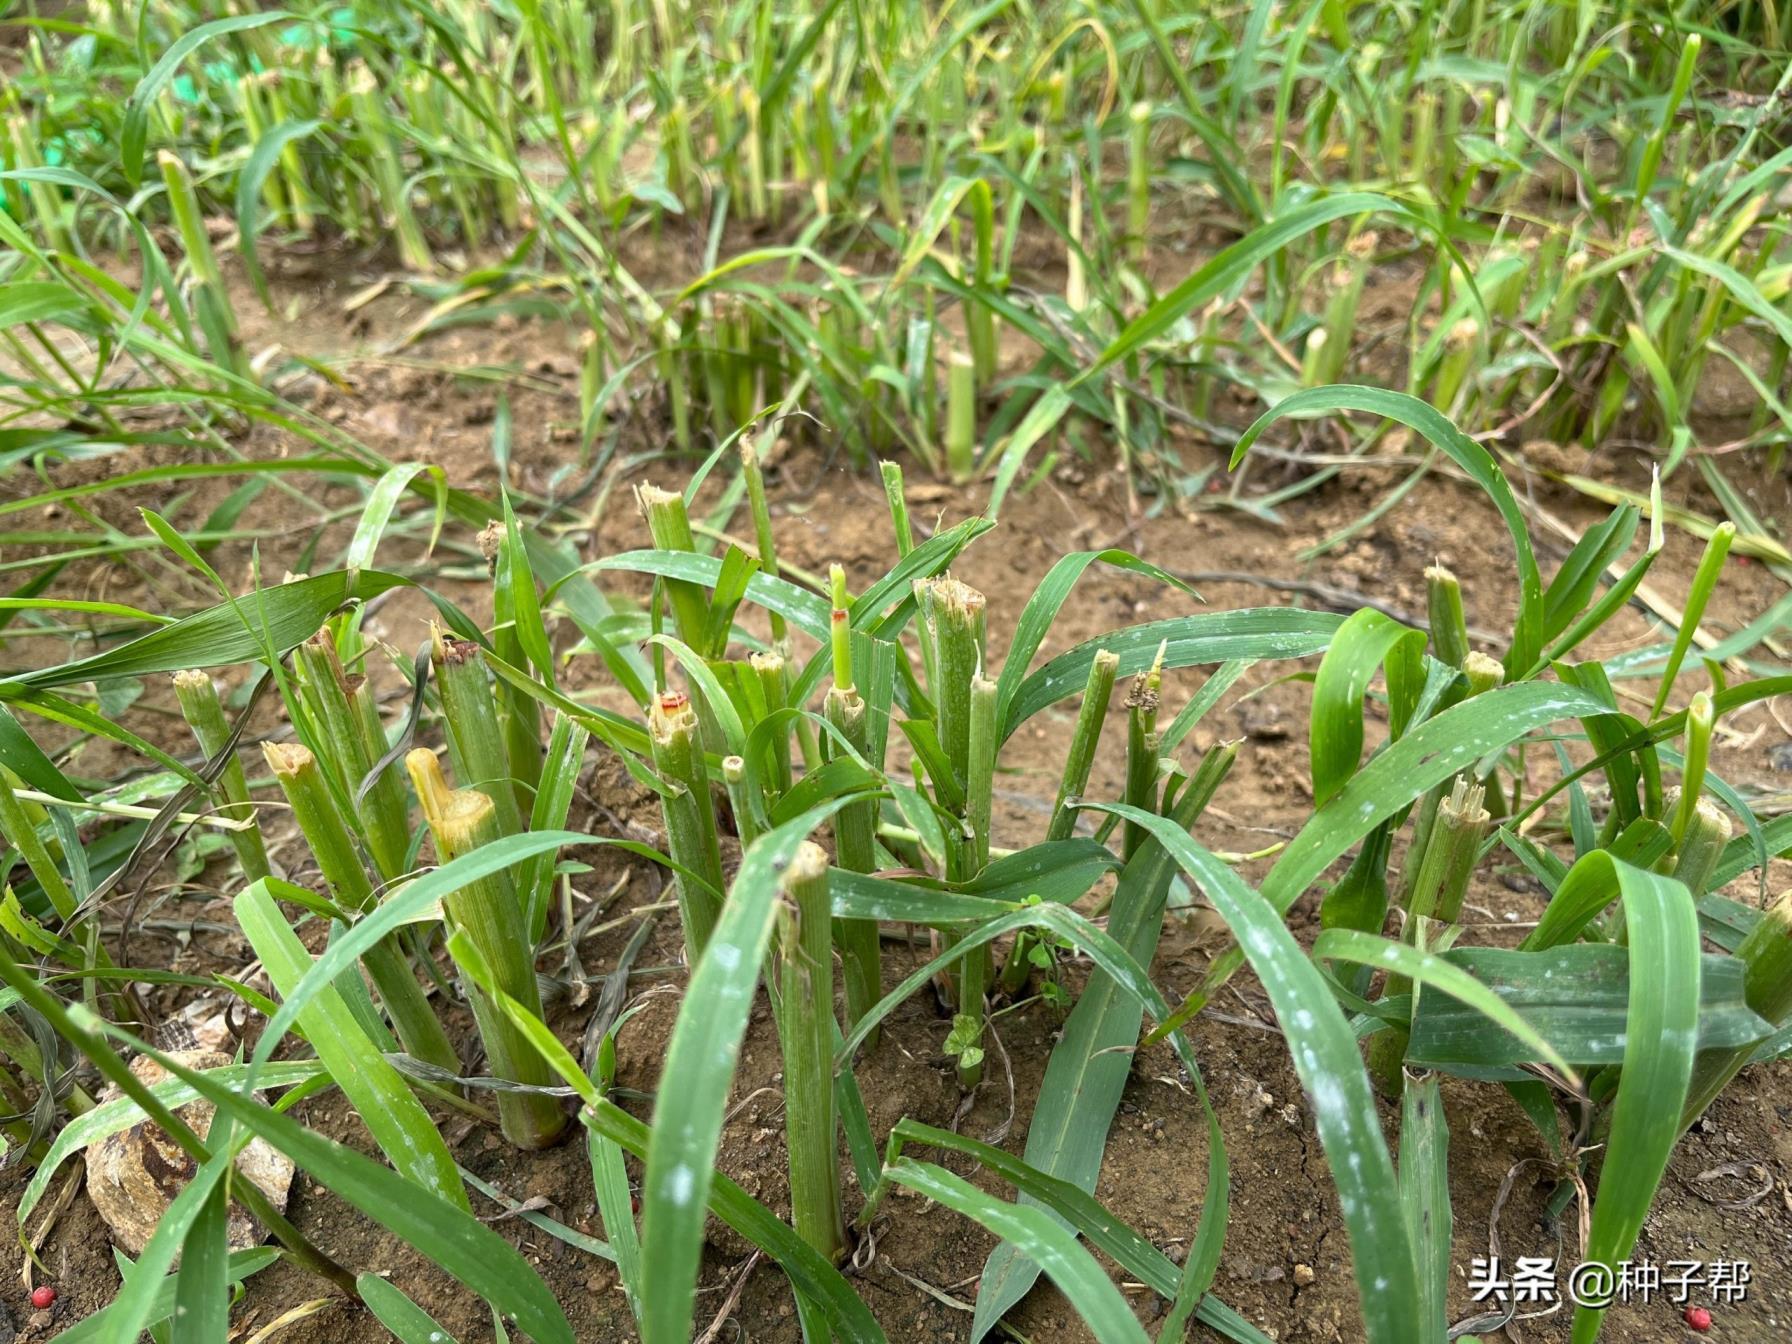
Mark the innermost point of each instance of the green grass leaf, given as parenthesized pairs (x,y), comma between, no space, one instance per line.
(394,1117)
(1577,998)
(149,88)
(237,631)
(100,1328)
(1038,1236)
(1325,1056)
(1048,599)
(249,183)
(403,1317)
(702,1053)
(1528,634)
(450,1238)
(1366,641)
(1663,1033)
(201,1295)
(1433,971)
(1425,1198)
(1211,637)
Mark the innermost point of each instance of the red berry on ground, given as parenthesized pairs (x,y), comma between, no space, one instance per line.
(43,1297)
(1699,1318)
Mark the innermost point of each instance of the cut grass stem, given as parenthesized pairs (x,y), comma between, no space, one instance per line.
(332,844)
(807,1032)
(689,813)
(488,910)
(204,713)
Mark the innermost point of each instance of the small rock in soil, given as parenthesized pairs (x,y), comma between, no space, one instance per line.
(134,1175)
(1303,1275)
(1780,757)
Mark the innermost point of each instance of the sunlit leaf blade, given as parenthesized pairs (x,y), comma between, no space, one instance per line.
(451,1238)
(1575,997)
(702,1053)
(1528,634)
(1216,637)
(1425,1196)
(238,631)
(407,1321)
(1041,1238)
(1366,641)
(1325,1056)
(1662,1027)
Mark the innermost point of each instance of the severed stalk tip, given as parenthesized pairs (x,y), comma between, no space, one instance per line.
(1483,672)
(649,497)
(1466,803)
(192,680)
(287,759)
(451,650)
(426,777)
(808,864)
(491,537)
(464,816)
(956,598)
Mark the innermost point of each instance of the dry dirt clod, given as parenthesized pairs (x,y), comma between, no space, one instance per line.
(1303,1275)
(134,1175)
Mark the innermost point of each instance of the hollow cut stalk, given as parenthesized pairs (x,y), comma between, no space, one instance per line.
(333,846)
(1142,743)
(898,502)
(461,821)
(1766,956)
(383,798)
(1138,178)
(806,1033)
(956,614)
(20,831)
(204,714)
(1483,672)
(774,686)
(734,777)
(1702,847)
(519,713)
(475,739)
(669,524)
(976,969)
(1449,628)
(689,813)
(855,826)
(1098,691)
(1442,885)
(339,704)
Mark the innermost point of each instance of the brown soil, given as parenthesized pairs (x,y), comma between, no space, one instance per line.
(922,1277)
